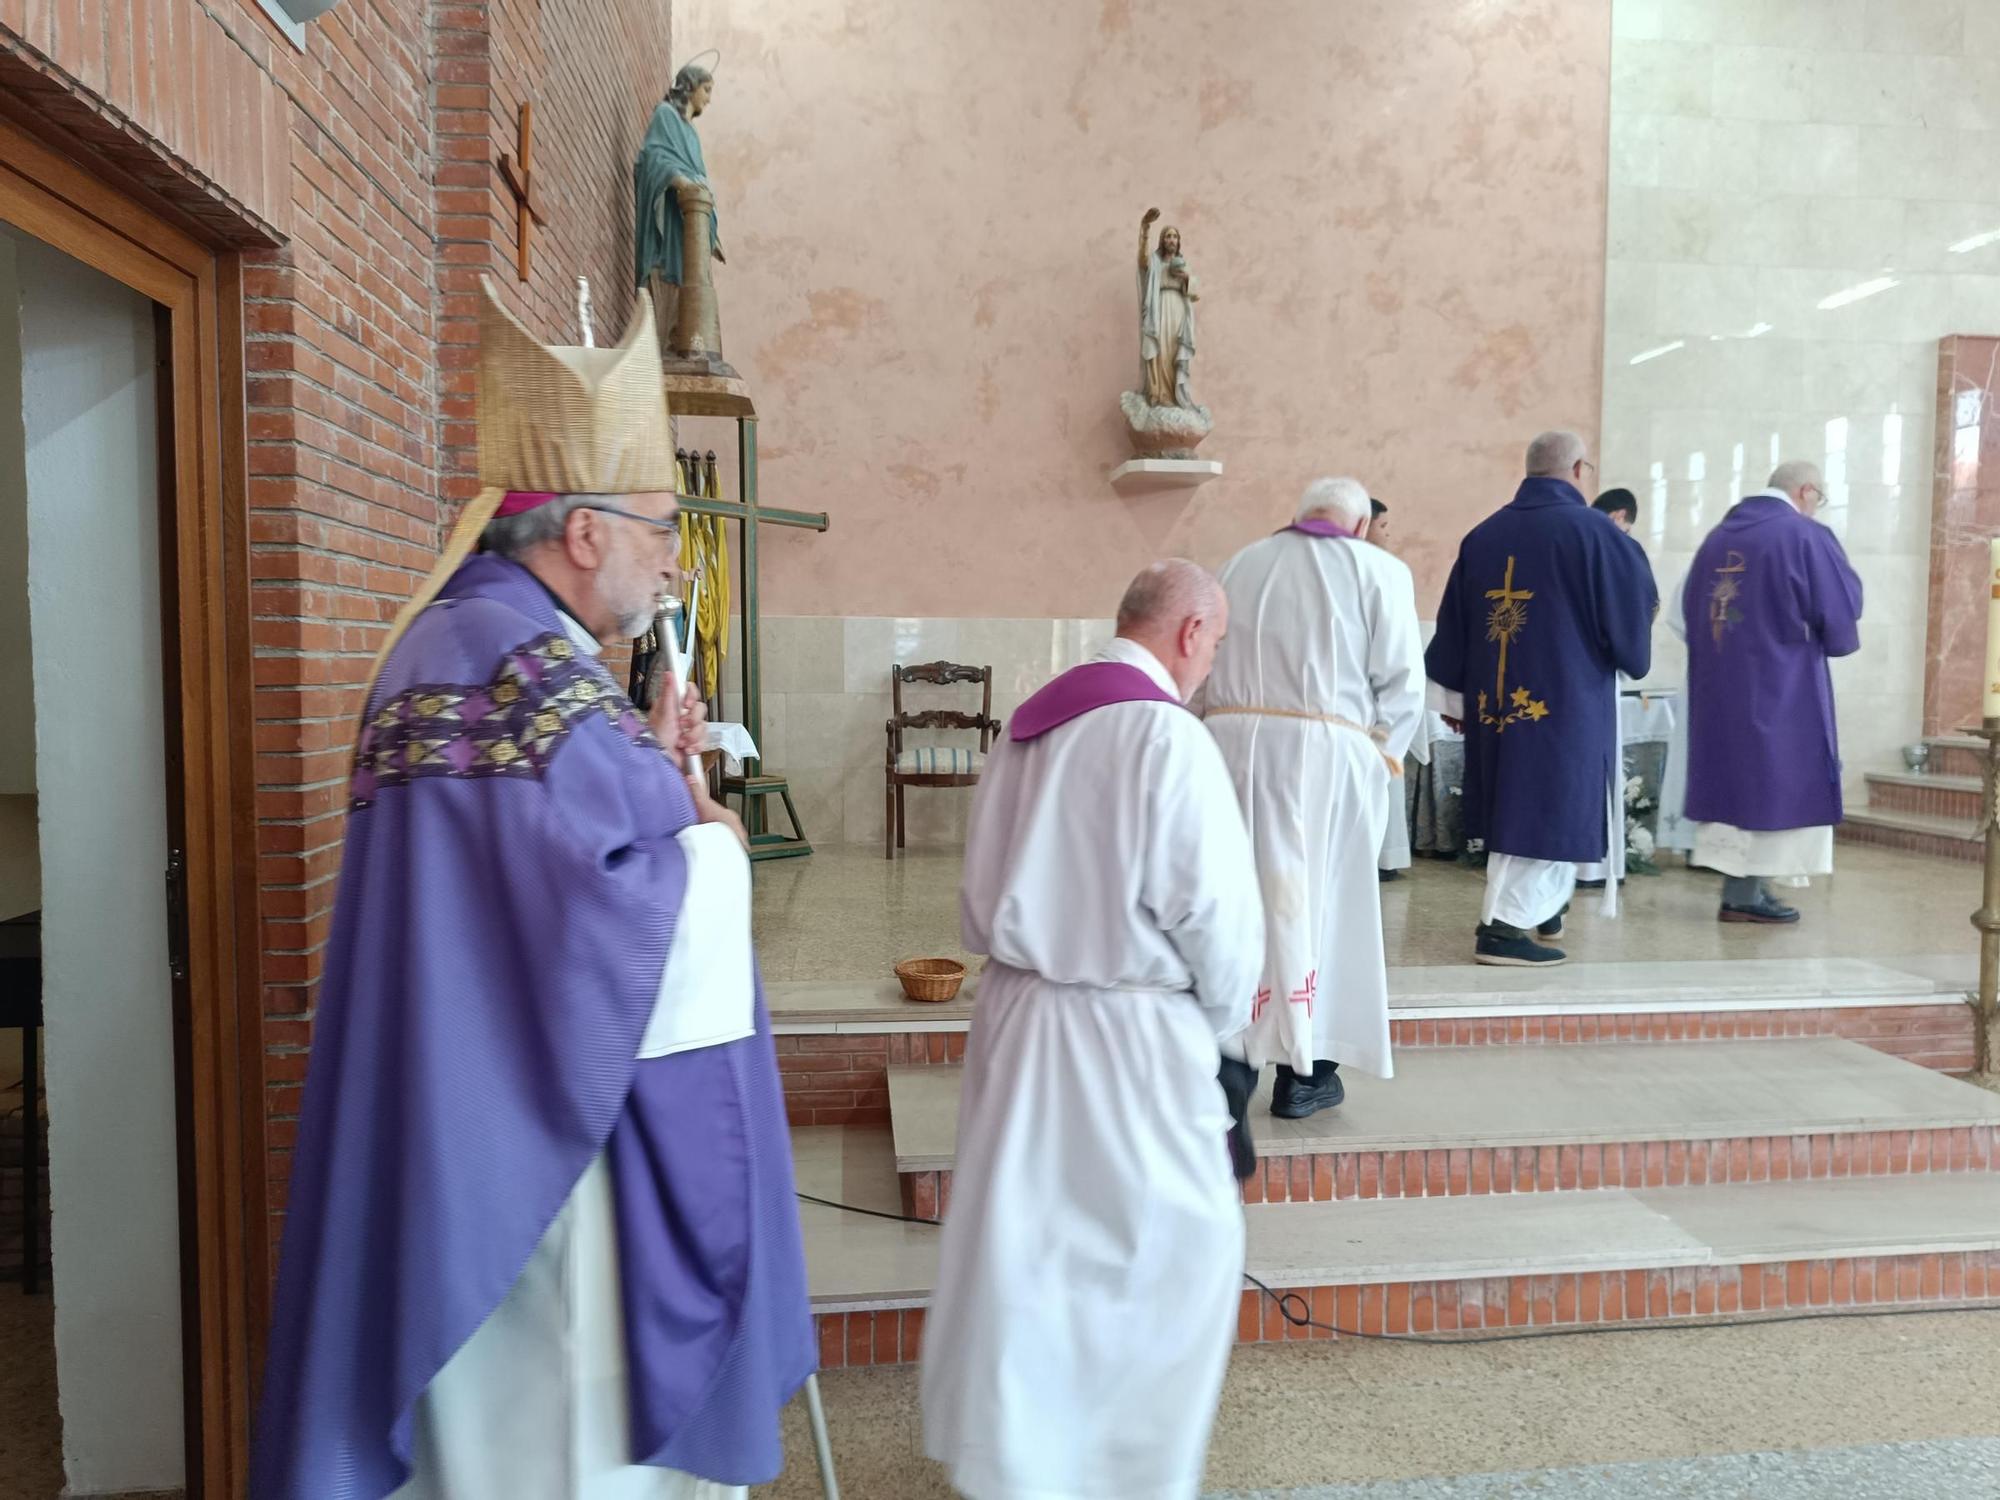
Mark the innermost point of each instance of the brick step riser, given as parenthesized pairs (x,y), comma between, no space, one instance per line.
(1621,1298)
(1927,801)
(842,1080)
(1479,1171)
(1935,845)
(1955,760)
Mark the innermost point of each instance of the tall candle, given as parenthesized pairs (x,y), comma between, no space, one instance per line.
(1992,699)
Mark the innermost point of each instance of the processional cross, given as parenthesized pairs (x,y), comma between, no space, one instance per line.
(520,180)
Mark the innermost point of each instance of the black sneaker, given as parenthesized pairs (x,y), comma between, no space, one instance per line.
(1497,943)
(1553,928)
(1239,1084)
(1385,876)
(1766,913)
(1294,1097)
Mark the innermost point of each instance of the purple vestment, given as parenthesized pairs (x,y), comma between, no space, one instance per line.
(1095,684)
(508,891)
(1770,596)
(1545,606)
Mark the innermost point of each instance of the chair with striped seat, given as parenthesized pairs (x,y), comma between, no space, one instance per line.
(933,765)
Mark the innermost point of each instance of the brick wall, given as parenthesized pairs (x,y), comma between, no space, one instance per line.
(369,160)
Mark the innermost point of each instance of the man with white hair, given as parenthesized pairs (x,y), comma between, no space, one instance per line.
(1314,700)
(1092,1261)
(1545,606)
(1769,599)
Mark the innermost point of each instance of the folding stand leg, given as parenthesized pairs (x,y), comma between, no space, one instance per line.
(822,1445)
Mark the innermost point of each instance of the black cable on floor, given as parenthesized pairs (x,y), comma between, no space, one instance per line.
(1296,1309)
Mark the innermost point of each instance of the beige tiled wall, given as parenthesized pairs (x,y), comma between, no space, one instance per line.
(1767,155)
(826,705)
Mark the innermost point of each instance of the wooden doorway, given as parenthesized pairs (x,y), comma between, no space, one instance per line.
(211,880)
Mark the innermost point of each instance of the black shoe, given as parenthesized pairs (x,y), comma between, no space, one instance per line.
(1590,885)
(1239,1084)
(1294,1098)
(1553,928)
(1385,876)
(1767,912)
(1497,943)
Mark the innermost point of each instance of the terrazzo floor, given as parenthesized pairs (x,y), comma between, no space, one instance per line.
(847,913)
(1858,1408)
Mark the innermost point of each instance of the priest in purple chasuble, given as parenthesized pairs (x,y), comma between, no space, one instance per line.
(1091,1266)
(541,1242)
(1315,699)
(1769,600)
(1545,606)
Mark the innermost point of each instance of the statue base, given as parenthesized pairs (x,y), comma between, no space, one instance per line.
(1164,431)
(1138,475)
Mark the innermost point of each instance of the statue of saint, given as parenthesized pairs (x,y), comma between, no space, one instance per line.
(1166,317)
(670,177)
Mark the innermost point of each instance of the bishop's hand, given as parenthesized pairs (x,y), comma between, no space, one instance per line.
(681,728)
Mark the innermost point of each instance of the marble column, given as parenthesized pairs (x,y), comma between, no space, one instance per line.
(1965,516)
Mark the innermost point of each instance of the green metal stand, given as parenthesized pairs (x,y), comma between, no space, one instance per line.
(754,786)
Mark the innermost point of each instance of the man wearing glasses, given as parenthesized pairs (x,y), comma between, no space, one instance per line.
(541,1234)
(1544,608)
(1769,600)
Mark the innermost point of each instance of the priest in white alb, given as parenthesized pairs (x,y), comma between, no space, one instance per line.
(1092,1260)
(1314,701)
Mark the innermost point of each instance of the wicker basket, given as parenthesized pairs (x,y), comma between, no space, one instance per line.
(931,979)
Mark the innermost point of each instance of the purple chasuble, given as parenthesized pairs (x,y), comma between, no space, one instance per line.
(1095,684)
(1545,606)
(1769,598)
(508,890)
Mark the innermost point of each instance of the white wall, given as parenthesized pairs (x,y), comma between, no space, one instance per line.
(17,699)
(1802,204)
(90,416)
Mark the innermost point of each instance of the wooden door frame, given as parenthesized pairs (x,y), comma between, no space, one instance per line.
(225,1259)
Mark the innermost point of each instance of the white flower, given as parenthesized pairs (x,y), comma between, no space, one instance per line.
(1640,841)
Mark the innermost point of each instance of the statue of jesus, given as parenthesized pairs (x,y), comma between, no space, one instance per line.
(670,177)
(1166,317)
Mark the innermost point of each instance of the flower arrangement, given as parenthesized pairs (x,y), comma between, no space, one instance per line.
(1639,846)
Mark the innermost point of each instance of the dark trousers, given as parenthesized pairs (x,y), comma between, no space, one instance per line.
(1744,890)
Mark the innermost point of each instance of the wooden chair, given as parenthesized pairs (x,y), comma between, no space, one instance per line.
(928,765)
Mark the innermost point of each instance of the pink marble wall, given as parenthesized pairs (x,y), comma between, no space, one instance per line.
(1965,517)
(1396,209)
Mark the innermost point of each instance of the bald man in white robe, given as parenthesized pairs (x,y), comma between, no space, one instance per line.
(1093,1256)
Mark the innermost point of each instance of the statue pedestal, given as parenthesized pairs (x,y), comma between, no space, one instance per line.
(1137,475)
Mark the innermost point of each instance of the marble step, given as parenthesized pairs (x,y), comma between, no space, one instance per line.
(837,1039)
(1412,1266)
(1929,795)
(1956,754)
(1460,1122)
(1915,833)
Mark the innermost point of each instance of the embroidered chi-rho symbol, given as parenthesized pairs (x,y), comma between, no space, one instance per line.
(1506,619)
(1722,610)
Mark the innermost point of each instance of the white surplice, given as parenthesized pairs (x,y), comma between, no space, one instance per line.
(1319,629)
(1395,853)
(1786,855)
(535,1406)
(1092,1258)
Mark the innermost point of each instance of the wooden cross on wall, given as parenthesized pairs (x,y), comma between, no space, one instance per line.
(520,180)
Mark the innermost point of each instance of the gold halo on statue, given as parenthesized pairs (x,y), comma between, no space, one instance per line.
(696,62)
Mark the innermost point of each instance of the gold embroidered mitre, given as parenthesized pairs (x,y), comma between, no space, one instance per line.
(555,420)
(571,421)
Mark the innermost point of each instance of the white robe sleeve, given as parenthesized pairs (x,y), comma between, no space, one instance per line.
(1200,881)
(1396,662)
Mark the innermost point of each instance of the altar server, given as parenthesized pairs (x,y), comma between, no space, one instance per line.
(1769,600)
(1545,606)
(1315,699)
(1092,1257)
(542,1242)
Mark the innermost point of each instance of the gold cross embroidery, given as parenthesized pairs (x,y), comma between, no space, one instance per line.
(1506,619)
(1722,598)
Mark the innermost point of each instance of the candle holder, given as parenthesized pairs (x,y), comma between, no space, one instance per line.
(1986,1012)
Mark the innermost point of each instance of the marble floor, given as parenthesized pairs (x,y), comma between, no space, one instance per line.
(1859,1408)
(847,913)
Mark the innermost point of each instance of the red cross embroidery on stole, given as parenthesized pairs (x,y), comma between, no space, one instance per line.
(1257,1006)
(1303,995)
